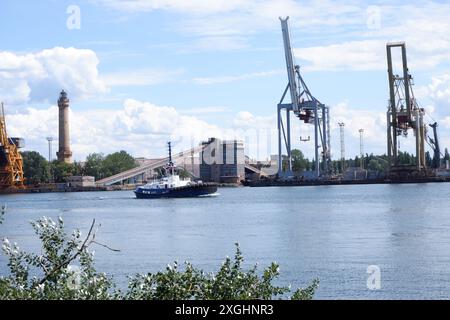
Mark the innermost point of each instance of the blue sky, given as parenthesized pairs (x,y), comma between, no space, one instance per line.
(141,72)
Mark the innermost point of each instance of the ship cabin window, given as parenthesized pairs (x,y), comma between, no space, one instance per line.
(166,186)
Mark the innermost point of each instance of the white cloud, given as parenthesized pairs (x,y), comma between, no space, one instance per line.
(245,119)
(216,43)
(439,88)
(446,122)
(143,129)
(140,128)
(373,123)
(354,55)
(227,24)
(192,6)
(257,13)
(37,77)
(438,93)
(241,77)
(206,110)
(351,44)
(144,77)
(423,27)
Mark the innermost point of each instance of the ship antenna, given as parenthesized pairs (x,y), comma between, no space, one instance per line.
(170,157)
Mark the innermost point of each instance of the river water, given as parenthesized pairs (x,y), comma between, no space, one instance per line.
(333,233)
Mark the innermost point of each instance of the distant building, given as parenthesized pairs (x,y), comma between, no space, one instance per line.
(81,181)
(222,161)
(190,164)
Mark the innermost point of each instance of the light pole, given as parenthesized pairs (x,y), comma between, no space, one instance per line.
(50,140)
(361,146)
(341,129)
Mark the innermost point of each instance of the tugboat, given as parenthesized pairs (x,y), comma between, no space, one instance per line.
(171,186)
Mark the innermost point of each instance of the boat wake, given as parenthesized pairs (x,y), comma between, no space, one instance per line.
(216,194)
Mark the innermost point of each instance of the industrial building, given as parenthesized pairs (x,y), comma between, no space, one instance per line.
(222,161)
(81,181)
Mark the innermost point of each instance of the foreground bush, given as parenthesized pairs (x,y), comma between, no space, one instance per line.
(65,270)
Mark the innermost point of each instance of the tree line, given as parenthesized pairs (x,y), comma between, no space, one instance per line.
(377,163)
(38,170)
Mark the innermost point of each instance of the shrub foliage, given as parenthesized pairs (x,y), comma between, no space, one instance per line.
(65,270)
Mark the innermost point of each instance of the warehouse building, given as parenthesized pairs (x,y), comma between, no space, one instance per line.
(222,161)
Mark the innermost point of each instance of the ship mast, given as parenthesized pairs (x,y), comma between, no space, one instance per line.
(170,164)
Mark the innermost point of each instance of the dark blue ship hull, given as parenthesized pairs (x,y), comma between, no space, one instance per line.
(179,192)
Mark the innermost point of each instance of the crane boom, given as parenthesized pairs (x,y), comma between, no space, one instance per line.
(289,62)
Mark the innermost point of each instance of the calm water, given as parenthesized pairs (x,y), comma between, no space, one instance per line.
(333,233)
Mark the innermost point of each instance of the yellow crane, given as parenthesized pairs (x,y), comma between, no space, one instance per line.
(11,163)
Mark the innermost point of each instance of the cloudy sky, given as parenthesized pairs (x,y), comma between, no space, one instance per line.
(142,72)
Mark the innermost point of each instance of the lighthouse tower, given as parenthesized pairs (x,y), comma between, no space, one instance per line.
(64,154)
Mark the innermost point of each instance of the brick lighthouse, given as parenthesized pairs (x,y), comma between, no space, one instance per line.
(64,154)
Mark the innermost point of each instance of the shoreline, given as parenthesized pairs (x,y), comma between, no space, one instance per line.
(299,183)
(88,189)
(253,184)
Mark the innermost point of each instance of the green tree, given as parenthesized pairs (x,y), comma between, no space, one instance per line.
(428,159)
(405,158)
(78,169)
(298,161)
(117,162)
(36,168)
(94,165)
(183,173)
(446,155)
(374,165)
(62,170)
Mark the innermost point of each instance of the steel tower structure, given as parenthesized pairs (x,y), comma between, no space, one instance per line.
(49,140)
(307,108)
(361,147)
(403,111)
(341,131)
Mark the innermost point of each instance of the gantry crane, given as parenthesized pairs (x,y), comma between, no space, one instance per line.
(307,108)
(11,164)
(404,112)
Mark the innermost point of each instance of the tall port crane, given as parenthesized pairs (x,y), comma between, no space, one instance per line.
(307,108)
(11,164)
(403,112)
